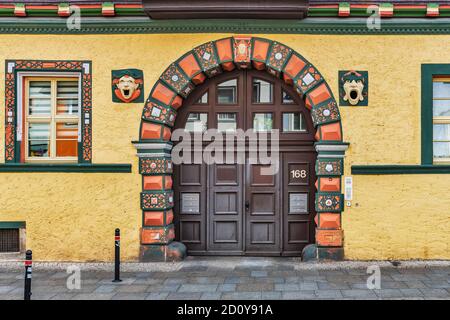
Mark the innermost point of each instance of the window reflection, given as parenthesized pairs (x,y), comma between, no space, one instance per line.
(226,122)
(287,99)
(196,122)
(262,122)
(262,91)
(293,122)
(38,139)
(203,99)
(227,92)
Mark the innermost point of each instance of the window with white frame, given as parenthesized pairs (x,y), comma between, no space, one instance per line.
(441,120)
(51,119)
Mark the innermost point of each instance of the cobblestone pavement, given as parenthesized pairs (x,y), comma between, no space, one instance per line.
(234,278)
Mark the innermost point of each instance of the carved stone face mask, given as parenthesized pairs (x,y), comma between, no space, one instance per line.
(353,91)
(127,86)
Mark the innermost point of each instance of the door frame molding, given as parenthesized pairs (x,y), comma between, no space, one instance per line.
(175,85)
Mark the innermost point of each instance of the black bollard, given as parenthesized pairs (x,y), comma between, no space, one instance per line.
(117,256)
(28,272)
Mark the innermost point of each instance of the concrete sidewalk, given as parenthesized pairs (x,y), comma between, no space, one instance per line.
(229,278)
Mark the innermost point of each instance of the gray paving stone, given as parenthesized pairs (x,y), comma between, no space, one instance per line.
(309,285)
(333,285)
(227,287)
(258,274)
(250,287)
(291,295)
(163,288)
(241,295)
(6,289)
(198,288)
(206,280)
(176,280)
(63,296)
(287,287)
(93,296)
(183,296)
(157,296)
(130,296)
(105,288)
(211,296)
(329,294)
(411,292)
(415,284)
(389,293)
(358,294)
(274,295)
(238,279)
(436,284)
(435,293)
(135,288)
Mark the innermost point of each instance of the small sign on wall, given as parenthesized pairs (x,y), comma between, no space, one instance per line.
(348,188)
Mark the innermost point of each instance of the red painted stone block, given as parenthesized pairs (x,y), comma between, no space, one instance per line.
(329,184)
(318,95)
(331,132)
(150,131)
(329,238)
(153,182)
(162,93)
(153,218)
(329,221)
(294,66)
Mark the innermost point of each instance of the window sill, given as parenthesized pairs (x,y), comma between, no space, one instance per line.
(400,169)
(65,167)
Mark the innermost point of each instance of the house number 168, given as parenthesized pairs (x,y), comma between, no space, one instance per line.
(298,174)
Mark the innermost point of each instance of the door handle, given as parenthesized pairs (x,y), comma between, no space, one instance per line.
(247,205)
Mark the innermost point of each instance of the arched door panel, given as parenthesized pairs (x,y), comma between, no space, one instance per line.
(232,209)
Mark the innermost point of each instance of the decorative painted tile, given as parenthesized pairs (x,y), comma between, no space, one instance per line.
(157,200)
(127,85)
(155,166)
(329,202)
(325,113)
(277,58)
(353,88)
(207,58)
(329,167)
(177,80)
(307,79)
(242,51)
(157,112)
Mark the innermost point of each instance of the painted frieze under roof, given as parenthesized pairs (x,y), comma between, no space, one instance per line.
(175,9)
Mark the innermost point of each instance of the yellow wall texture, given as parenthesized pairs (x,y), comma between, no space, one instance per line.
(72,216)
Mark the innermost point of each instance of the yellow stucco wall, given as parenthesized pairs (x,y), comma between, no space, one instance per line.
(72,216)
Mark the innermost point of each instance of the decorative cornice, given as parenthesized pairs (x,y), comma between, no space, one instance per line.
(141,25)
(341,9)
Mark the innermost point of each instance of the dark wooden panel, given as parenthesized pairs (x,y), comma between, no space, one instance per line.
(226,9)
(233,209)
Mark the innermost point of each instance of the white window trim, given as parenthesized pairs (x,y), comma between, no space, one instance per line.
(20,79)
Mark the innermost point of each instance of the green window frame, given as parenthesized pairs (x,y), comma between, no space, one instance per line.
(429,71)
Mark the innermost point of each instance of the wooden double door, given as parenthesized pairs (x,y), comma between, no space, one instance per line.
(236,208)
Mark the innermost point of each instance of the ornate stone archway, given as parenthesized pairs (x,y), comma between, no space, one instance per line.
(158,117)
